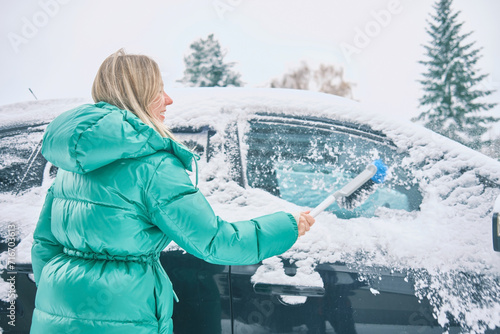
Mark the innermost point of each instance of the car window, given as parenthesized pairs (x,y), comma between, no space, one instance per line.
(195,139)
(21,164)
(304,159)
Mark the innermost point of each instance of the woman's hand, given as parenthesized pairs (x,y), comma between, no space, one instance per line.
(305,222)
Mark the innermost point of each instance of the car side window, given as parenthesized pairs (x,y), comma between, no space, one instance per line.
(21,164)
(304,159)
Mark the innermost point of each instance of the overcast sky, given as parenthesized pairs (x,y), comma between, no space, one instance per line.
(55,47)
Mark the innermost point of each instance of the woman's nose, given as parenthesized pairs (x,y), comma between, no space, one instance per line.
(168,100)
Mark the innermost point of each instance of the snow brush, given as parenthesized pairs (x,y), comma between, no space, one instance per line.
(357,190)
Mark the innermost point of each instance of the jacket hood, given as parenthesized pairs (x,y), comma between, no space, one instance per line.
(94,135)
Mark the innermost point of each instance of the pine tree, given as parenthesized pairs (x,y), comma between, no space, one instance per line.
(450,85)
(205,66)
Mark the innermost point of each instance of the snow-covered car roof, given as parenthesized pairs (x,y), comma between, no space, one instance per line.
(449,235)
(35,112)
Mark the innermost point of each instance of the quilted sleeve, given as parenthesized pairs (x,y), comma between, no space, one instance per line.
(183,214)
(45,246)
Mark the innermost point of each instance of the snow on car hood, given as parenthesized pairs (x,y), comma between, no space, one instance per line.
(448,238)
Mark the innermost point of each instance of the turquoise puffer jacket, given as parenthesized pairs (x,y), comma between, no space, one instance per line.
(121,195)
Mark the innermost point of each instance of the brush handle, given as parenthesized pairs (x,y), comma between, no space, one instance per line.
(323,205)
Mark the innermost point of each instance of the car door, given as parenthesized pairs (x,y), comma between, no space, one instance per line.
(202,288)
(302,160)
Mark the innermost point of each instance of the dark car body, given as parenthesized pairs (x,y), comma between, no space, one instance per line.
(278,146)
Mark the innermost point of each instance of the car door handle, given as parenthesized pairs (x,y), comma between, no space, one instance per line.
(288,290)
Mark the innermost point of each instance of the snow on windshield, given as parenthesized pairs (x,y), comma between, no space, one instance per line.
(445,246)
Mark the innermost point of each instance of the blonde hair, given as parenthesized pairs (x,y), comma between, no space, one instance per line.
(131,82)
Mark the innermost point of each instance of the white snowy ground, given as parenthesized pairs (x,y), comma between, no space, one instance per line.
(449,237)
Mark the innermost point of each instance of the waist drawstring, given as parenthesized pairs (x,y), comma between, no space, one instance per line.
(147,258)
(150,259)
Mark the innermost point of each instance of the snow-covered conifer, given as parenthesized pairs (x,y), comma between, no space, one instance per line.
(452,91)
(205,66)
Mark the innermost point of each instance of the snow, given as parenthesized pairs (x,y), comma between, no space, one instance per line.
(35,111)
(438,246)
(271,271)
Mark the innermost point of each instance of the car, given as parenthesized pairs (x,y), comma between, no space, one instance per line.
(413,256)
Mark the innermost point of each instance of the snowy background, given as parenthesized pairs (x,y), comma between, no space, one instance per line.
(56,46)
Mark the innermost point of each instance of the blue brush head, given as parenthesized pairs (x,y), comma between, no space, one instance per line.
(381,173)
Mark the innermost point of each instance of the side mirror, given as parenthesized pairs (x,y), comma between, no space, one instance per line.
(496,231)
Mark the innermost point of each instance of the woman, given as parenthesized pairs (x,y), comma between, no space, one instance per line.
(121,195)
